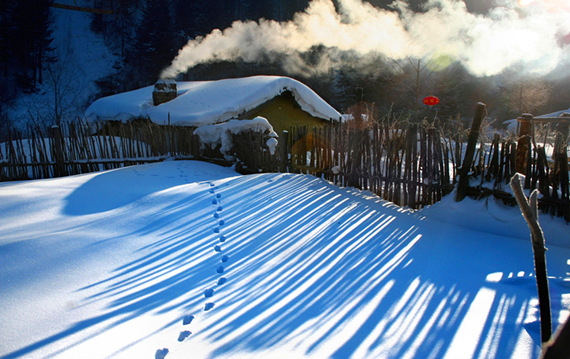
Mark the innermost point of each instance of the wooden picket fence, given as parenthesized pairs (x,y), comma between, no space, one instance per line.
(415,165)
(76,148)
(409,164)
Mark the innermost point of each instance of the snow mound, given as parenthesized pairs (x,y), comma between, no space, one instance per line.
(491,215)
(221,134)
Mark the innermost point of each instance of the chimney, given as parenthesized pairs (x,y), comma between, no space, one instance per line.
(164,91)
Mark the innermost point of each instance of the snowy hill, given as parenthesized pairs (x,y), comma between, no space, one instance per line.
(189,259)
(69,83)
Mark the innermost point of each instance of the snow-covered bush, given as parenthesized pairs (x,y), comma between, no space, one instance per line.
(223,135)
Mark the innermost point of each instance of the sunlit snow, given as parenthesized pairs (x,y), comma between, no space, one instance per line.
(124,264)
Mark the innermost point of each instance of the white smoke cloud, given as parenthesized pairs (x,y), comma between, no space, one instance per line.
(515,33)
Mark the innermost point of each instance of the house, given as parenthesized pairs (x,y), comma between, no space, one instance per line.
(283,101)
(558,120)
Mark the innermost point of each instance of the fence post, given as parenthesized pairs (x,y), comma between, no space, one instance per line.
(560,170)
(463,184)
(57,151)
(169,137)
(523,143)
(355,138)
(284,151)
(411,164)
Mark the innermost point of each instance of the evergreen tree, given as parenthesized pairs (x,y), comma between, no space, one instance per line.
(154,45)
(192,18)
(290,8)
(5,43)
(31,41)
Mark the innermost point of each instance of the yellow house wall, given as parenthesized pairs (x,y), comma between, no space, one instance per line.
(283,112)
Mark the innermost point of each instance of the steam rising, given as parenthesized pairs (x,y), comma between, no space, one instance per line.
(509,35)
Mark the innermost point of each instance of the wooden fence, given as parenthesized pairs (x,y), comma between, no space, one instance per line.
(75,149)
(412,165)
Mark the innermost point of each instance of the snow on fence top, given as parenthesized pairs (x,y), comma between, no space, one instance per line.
(208,102)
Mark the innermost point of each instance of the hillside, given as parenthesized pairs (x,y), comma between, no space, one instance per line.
(81,58)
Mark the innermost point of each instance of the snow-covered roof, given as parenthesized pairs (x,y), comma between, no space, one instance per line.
(555,114)
(512,124)
(207,102)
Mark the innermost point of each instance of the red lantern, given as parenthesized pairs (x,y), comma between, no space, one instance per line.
(431,100)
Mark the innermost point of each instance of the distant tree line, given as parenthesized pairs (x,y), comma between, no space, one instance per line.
(148,34)
(25,41)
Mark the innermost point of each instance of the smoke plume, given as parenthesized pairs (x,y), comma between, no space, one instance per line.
(528,34)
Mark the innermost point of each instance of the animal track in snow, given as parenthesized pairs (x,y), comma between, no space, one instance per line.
(208,293)
(183,335)
(161,353)
(187,319)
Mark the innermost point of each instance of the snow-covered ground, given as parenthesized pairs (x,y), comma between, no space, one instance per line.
(190,259)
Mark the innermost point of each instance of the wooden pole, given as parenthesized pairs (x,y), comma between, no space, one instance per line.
(530,213)
(57,151)
(84,9)
(284,151)
(560,346)
(523,143)
(411,163)
(463,184)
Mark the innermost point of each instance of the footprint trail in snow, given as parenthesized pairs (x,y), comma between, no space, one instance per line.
(209,293)
(218,249)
